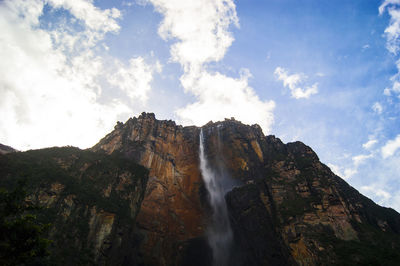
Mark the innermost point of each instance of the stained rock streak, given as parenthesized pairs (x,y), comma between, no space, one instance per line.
(288,208)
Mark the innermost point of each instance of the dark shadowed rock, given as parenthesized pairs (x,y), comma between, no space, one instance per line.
(91,201)
(4,149)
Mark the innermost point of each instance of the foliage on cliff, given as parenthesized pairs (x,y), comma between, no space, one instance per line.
(21,235)
(287,208)
(89,198)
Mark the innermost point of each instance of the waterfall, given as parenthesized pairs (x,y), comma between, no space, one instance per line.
(219,232)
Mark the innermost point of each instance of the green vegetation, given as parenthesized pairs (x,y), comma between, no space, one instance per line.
(83,177)
(21,234)
(304,162)
(82,172)
(293,207)
(378,250)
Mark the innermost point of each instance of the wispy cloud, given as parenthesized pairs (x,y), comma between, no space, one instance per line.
(201,31)
(352,169)
(390,147)
(379,193)
(369,144)
(360,159)
(345,173)
(294,81)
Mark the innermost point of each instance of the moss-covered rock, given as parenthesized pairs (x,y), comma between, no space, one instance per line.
(90,199)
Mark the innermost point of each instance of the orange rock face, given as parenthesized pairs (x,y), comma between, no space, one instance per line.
(171,211)
(287,208)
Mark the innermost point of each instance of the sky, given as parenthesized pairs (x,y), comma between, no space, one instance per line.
(323,72)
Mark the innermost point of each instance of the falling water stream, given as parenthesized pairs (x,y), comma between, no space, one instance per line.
(219,231)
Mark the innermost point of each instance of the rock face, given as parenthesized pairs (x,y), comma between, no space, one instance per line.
(4,149)
(171,219)
(286,207)
(91,201)
(292,209)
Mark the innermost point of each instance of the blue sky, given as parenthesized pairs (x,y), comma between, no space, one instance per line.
(322,72)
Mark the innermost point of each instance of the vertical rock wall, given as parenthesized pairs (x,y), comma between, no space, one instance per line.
(171,215)
(287,208)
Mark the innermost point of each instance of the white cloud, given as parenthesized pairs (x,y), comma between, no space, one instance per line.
(95,19)
(349,173)
(385,4)
(134,79)
(201,31)
(350,170)
(396,84)
(222,97)
(360,159)
(293,81)
(387,92)
(392,33)
(336,169)
(345,173)
(377,108)
(369,144)
(200,26)
(381,195)
(51,87)
(390,147)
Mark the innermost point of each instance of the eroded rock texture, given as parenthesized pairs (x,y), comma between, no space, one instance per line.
(286,207)
(171,217)
(291,209)
(90,200)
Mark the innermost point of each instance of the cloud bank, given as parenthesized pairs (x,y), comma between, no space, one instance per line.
(53,82)
(201,32)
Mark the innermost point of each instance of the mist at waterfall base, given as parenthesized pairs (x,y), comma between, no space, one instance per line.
(218,183)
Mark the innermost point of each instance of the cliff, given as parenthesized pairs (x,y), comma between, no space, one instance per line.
(291,203)
(285,208)
(90,200)
(171,219)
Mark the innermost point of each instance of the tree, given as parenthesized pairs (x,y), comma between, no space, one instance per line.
(21,240)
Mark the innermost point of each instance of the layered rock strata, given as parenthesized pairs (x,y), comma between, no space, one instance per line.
(171,220)
(287,208)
